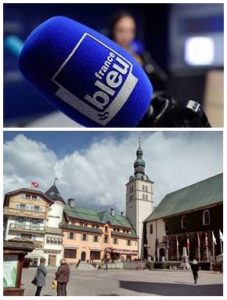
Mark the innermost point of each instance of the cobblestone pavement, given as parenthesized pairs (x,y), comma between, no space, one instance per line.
(130,282)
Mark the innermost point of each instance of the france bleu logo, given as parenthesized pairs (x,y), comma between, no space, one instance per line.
(104,78)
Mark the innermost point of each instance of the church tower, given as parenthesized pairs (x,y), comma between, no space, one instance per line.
(139,198)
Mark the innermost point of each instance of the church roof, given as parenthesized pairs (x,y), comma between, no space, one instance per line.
(101,217)
(54,194)
(204,193)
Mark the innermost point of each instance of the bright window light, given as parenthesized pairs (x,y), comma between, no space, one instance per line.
(199,51)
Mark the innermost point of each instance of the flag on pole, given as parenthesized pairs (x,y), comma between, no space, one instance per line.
(188,243)
(220,235)
(206,240)
(188,246)
(198,245)
(34,184)
(213,238)
(177,244)
(198,240)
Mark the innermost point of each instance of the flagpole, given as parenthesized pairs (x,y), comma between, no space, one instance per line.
(188,247)
(213,250)
(221,240)
(206,240)
(220,245)
(214,244)
(167,248)
(198,243)
(177,248)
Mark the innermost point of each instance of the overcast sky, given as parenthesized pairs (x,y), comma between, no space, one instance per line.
(93,167)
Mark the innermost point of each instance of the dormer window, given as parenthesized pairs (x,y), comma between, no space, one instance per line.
(183,222)
(206,217)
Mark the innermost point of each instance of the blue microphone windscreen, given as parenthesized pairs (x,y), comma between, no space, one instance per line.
(87,76)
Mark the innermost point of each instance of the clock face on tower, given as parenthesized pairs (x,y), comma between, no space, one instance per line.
(145,177)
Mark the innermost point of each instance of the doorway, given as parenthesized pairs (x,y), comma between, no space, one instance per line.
(83,256)
(52,260)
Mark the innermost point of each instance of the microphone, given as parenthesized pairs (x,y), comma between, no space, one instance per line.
(85,75)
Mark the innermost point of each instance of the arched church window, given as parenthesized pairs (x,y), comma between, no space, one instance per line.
(183,222)
(206,217)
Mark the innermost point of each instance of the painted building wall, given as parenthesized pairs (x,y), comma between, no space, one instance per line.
(26,217)
(53,241)
(158,232)
(77,243)
(29,203)
(55,213)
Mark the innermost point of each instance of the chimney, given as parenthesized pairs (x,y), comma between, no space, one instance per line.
(112,212)
(122,214)
(71,202)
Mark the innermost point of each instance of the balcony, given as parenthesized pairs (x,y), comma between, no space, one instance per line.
(27,228)
(9,211)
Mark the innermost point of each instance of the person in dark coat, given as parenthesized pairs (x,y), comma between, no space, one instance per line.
(62,277)
(195,270)
(40,276)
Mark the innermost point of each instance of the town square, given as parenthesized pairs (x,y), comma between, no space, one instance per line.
(132,283)
(154,237)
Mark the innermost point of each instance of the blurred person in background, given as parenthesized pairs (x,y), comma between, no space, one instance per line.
(123,31)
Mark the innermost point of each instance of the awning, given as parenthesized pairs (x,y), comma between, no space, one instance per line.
(52,251)
(125,251)
(71,247)
(95,249)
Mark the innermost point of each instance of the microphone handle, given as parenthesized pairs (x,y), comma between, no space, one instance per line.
(166,112)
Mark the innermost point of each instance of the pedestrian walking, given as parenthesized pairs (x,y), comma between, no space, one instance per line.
(195,270)
(62,277)
(40,277)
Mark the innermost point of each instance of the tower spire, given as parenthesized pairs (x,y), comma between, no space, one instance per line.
(139,198)
(139,141)
(139,164)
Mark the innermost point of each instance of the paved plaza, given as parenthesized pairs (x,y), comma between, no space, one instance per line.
(131,283)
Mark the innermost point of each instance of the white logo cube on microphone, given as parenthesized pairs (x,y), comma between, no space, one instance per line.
(104,78)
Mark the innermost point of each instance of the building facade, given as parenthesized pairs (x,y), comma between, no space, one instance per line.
(192,218)
(139,198)
(31,215)
(53,242)
(92,236)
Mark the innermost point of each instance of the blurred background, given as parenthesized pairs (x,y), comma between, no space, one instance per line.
(180,47)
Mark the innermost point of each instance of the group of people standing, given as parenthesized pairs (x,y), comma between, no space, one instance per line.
(61,277)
